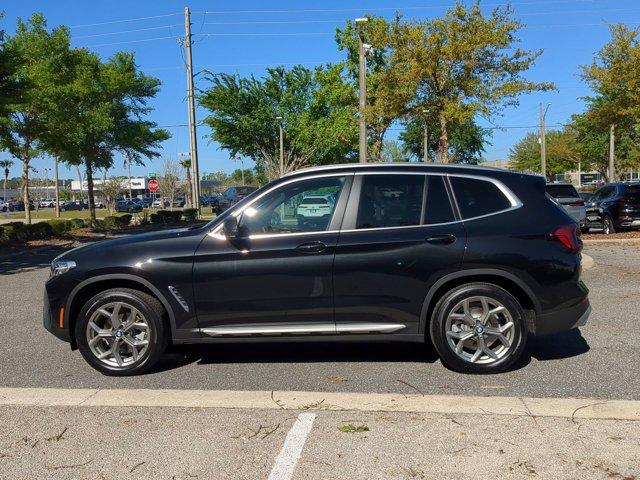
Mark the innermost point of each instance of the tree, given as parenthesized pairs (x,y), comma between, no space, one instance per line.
(111,189)
(104,109)
(10,82)
(466,142)
(463,64)
(613,77)
(563,152)
(41,64)
(5,165)
(246,176)
(186,164)
(169,183)
(317,107)
(393,151)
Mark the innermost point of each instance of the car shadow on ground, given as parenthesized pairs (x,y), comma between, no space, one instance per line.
(29,260)
(551,347)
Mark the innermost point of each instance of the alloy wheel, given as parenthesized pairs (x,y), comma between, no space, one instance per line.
(118,334)
(480,330)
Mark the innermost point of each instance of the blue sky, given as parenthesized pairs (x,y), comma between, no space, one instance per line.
(238,36)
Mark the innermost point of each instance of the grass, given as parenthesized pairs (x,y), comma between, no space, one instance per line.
(350,428)
(49,213)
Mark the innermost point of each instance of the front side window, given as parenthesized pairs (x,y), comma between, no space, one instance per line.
(476,197)
(390,201)
(301,206)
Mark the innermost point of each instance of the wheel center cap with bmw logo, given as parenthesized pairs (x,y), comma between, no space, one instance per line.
(479,329)
(119,334)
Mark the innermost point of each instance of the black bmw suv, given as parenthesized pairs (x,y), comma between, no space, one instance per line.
(615,207)
(471,259)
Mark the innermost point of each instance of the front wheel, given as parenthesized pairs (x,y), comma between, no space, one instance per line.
(121,332)
(478,328)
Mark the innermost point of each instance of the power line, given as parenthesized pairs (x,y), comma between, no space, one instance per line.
(125,20)
(362,9)
(75,37)
(265,34)
(135,41)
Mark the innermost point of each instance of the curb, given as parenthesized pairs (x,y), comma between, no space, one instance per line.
(570,408)
(627,241)
(587,262)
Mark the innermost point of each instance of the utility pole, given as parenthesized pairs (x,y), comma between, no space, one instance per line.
(129,171)
(543,141)
(57,191)
(191,105)
(281,133)
(612,152)
(425,148)
(362,76)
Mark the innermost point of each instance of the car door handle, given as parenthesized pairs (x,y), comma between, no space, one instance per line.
(312,247)
(441,239)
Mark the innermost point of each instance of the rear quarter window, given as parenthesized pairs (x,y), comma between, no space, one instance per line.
(476,197)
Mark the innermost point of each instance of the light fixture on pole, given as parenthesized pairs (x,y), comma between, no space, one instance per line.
(425,147)
(362,80)
(281,131)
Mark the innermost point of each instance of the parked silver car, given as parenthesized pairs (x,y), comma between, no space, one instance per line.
(567,196)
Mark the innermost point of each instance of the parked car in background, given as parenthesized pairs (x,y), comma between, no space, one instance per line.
(4,206)
(47,203)
(470,259)
(567,196)
(586,196)
(128,206)
(178,202)
(615,207)
(71,205)
(159,203)
(231,196)
(18,206)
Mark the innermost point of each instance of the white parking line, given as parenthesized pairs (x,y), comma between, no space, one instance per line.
(288,457)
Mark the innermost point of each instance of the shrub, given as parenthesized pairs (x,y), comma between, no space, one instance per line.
(38,231)
(190,214)
(110,222)
(60,227)
(156,219)
(169,216)
(78,223)
(123,220)
(99,224)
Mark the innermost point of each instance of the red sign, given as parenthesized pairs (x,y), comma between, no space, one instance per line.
(153,185)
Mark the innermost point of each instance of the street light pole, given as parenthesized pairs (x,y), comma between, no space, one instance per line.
(612,152)
(362,77)
(425,153)
(281,131)
(543,141)
(193,138)
(57,191)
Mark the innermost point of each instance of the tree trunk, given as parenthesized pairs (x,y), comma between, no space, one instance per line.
(92,203)
(25,185)
(443,143)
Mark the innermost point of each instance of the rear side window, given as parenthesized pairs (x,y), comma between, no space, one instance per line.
(562,191)
(390,201)
(478,197)
(438,207)
(632,191)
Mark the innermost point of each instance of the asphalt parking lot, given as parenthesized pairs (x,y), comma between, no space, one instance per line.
(597,361)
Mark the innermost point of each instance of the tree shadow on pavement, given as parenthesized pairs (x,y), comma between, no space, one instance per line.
(312,352)
(29,260)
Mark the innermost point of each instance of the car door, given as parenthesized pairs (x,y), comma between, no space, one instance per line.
(601,200)
(275,277)
(399,236)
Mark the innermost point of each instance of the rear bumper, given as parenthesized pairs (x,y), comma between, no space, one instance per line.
(562,320)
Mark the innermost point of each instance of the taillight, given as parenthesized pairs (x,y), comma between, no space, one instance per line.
(568,236)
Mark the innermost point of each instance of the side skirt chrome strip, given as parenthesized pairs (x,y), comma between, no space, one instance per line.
(313,329)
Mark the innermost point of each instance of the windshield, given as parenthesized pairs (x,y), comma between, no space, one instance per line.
(562,191)
(632,191)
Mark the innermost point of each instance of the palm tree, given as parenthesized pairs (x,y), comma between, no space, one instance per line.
(186,164)
(6,164)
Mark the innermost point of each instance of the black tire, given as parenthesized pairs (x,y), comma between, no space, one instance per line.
(155,316)
(607,225)
(446,305)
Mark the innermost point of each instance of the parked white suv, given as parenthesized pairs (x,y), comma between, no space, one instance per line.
(315,206)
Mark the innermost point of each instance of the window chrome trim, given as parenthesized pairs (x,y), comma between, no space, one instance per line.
(215,233)
(511,197)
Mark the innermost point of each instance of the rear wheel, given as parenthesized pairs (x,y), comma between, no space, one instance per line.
(607,226)
(478,328)
(121,332)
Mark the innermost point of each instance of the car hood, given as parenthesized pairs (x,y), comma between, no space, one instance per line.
(129,243)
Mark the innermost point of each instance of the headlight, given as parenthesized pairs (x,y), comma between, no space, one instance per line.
(58,267)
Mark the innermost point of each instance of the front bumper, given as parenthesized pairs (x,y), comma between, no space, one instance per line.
(562,320)
(53,318)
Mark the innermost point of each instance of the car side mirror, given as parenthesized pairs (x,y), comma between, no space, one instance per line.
(230,226)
